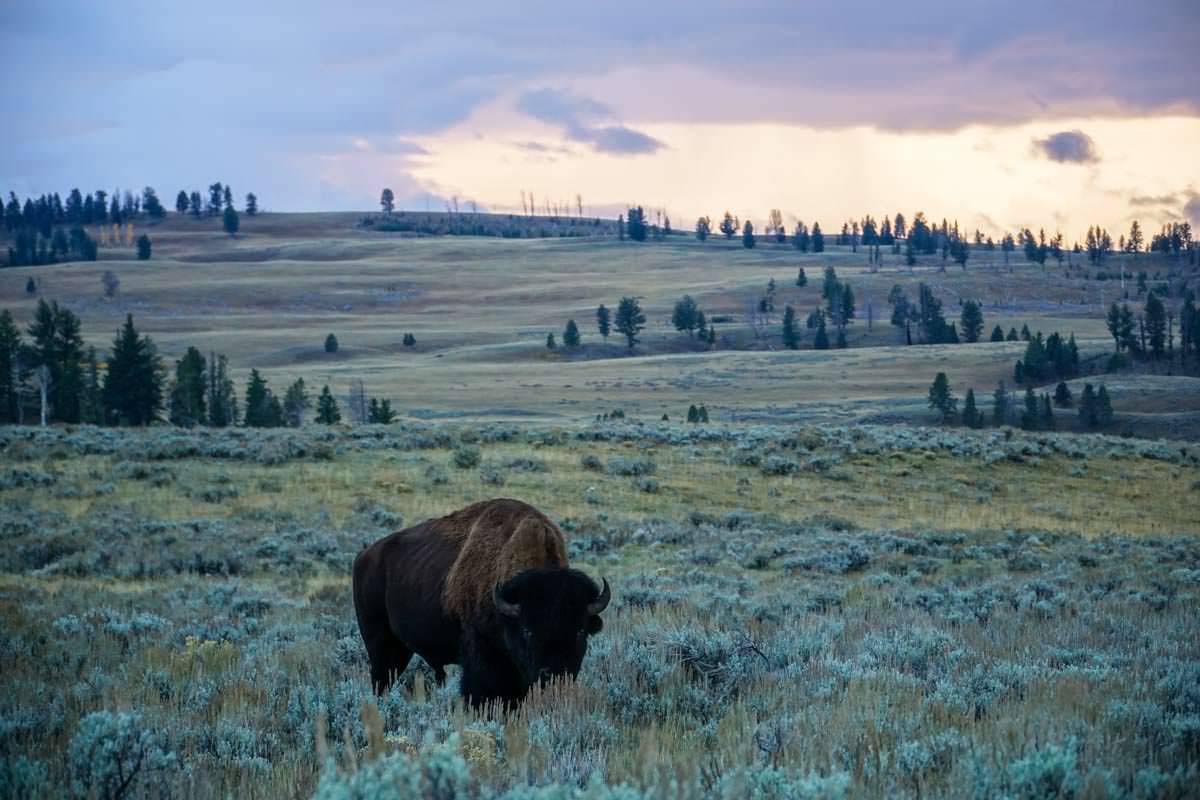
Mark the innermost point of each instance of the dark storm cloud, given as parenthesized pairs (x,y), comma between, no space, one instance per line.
(178,94)
(1068,147)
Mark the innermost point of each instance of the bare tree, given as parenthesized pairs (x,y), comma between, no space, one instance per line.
(579,204)
(358,402)
(44,384)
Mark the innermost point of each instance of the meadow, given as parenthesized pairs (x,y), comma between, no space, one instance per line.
(799,611)
(480,309)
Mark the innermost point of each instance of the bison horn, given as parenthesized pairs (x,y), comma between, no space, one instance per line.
(503,606)
(601,602)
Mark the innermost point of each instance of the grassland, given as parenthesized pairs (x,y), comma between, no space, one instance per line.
(480,309)
(799,612)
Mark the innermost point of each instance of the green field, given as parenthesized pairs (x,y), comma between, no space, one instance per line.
(480,309)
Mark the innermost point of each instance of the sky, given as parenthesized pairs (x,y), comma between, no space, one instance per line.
(997,114)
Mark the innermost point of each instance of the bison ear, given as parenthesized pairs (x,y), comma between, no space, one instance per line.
(594,625)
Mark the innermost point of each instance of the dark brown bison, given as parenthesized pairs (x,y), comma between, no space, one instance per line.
(487,587)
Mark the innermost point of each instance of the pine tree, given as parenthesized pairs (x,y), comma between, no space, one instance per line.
(703,414)
(410,340)
(971,415)
(56,352)
(295,403)
(972,321)
(748,235)
(1029,417)
(821,339)
(818,239)
(571,334)
(693,414)
(221,401)
(1000,405)
(11,377)
(387,201)
(1087,407)
(635,224)
(702,228)
(1156,325)
(1062,395)
(230,222)
(143,248)
(940,397)
(728,227)
(327,408)
(31,286)
(1046,414)
(1104,409)
(791,338)
(1012,336)
(186,406)
(196,204)
(684,315)
(603,321)
(258,398)
(550,343)
(133,384)
(182,202)
(630,320)
(331,344)
(841,339)
(801,278)
(251,205)
(701,327)
(997,334)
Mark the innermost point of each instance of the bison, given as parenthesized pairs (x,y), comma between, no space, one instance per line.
(487,587)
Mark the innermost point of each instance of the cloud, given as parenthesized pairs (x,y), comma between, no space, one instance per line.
(1191,210)
(578,115)
(1143,200)
(1068,147)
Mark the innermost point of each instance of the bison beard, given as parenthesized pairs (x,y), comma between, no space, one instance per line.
(487,587)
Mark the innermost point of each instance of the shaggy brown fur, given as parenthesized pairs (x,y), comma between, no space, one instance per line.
(496,540)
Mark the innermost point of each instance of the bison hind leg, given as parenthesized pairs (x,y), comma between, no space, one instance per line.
(389,658)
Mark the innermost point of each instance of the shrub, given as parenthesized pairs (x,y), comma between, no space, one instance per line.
(466,456)
(621,465)
(109,752)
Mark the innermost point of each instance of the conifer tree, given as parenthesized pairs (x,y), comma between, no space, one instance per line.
(683,317)
(728,226)
(182,202)
(1156,325)
(258,398)
(972,321)
(821,339)
(702,414)
(230,221)
(701,327)
(1000,401)
(841,339)
(571,334)
(251,205)
(997,334)
(143,248)
(186,406)
(11,371)
(550,343)
(941,399)
(331,344)
(971,415)
(1087,407)
(410,340)
(133,384)
(295,403)
(1046,414)
(1012,336)
(630,320)
(221,400)
(603,321)
(1062,395)
(693,414)
(791,338)
(327,408)
(801,278)
(748,240)
(818,238)
(1104,409)
(1031,414)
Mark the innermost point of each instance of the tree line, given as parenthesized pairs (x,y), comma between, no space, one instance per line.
(49,230)
(1034,413)
(47,375)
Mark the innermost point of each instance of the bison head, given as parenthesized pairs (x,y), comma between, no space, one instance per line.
(547,616)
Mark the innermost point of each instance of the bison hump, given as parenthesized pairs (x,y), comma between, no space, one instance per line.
(502,539)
